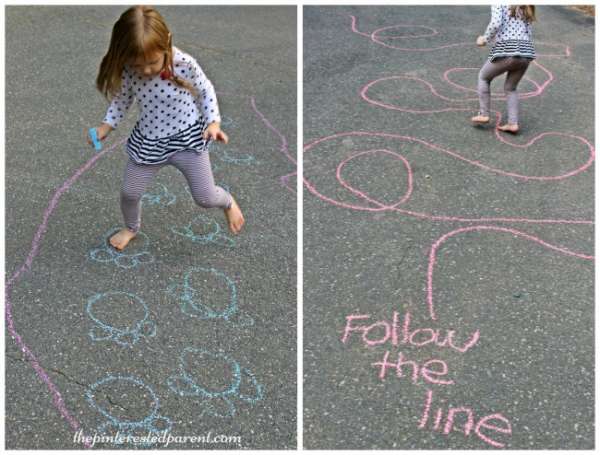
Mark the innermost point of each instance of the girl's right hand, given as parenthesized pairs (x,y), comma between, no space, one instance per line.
(102,132)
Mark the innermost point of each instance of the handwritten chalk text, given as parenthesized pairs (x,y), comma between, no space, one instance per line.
(381,332)
(493,422)
(427,371)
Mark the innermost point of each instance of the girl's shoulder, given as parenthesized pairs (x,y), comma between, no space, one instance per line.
(182,58)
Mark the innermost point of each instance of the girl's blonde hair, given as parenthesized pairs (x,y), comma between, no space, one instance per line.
(527,12)
(140,32)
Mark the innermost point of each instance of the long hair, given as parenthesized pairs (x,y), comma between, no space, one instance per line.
(527,12)
(140,32)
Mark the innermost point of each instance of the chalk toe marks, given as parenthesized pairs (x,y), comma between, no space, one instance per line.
(106,254)
(216,397)
(194,296)
(161,197)
(204,230)
(242,159)
(151,423)
(128,305)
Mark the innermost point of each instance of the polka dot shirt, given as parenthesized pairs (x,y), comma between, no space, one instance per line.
(165,109)
(502,27)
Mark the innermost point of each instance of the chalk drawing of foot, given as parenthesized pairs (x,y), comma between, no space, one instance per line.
(136,254)
(228,157)
(119,399)
(162,196)
(128,316)
(215,381)
(207,293)
(204,230)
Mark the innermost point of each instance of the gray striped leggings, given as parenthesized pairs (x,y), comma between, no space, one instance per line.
(515,68)
(197,171)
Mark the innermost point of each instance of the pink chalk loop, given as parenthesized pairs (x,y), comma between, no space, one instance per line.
(445,95)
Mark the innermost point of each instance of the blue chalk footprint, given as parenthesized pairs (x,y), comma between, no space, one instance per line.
(94,137)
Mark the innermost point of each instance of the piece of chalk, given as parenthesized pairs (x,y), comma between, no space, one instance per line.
(94,138)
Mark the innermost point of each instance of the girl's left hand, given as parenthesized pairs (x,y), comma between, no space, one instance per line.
(481,41)
(214,132)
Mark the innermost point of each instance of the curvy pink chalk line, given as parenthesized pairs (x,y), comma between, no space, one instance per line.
(374,36)
(378,37)
(379,206)
(442,239)
(35,246)
(284,148)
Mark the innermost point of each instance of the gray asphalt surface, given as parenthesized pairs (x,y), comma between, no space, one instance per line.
(533,307)
(52,56)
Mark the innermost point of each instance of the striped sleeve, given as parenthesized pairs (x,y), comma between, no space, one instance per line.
(120,102)
(494,24)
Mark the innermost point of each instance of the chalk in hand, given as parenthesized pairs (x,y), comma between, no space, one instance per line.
(94,138)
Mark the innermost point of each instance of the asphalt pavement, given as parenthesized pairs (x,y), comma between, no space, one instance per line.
(191,330)
(448,278)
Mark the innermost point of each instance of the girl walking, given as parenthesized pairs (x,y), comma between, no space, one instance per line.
(178,116)
(510,33)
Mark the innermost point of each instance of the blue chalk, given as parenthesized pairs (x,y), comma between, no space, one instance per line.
(94,137)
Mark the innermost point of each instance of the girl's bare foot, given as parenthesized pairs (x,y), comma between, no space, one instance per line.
(480,119)
(509,128)
(234,217)
(122,238)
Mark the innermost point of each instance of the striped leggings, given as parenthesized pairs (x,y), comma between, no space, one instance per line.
(197,171)
(515,68)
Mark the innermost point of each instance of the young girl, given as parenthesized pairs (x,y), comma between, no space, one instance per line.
(178,117)
(510,32)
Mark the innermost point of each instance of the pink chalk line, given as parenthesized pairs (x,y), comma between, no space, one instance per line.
(442,239)
(284,147)
(379,206)
(377,37)
(35,246)
(433,32)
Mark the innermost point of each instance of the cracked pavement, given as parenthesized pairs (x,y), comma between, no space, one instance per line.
(249,53)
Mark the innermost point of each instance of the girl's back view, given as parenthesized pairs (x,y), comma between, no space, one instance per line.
(510,33)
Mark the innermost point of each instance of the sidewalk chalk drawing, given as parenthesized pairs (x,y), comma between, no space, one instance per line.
(160,197)
(105,253)
(204,230)
(576,143)
(245,159)
(101,254)
(140,325)
(515,233)
(229,157)
(238,383)
(197,302)
(322,160)
(151,424)
(283,148)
